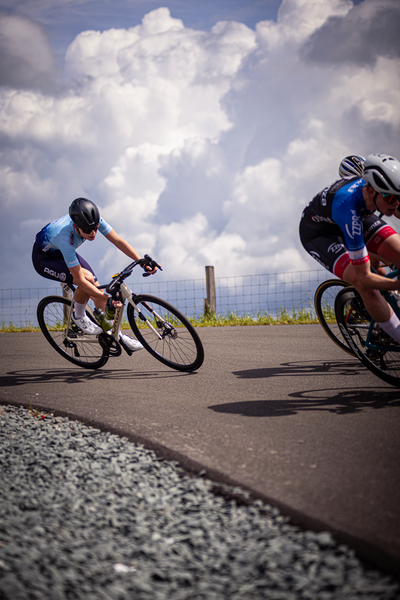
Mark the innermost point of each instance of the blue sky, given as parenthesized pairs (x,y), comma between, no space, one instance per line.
(64,20)
(200,129)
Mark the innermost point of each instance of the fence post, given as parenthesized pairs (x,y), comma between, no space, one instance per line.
(210,303)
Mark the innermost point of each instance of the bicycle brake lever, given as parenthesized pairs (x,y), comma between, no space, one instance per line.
(149,262)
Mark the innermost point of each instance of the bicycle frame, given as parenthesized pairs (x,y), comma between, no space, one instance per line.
(392,300)
(128,295)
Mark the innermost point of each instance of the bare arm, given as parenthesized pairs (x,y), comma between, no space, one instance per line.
(374,281)
(124,246)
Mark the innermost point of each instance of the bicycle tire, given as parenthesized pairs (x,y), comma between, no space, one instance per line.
(80,350)
(324,303)
(354,321)
(179,346)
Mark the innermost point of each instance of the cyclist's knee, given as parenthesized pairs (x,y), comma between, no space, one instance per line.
(349,276)
(90,277)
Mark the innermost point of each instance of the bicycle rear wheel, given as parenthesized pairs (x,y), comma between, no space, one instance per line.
(324,302)
(354,322)
(165,333)
(80,349)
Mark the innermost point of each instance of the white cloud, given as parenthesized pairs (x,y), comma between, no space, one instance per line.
(26,55)
(200,147)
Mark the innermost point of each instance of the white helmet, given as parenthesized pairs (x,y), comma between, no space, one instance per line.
(382,172)
(351,166)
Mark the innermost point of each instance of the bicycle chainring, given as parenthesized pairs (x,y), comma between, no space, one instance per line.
(110,344)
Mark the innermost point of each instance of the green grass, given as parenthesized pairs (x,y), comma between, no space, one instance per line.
(11,328)
(284,317)
(233,319)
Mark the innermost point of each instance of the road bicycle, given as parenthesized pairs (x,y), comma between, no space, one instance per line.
(361,334)
(158,326)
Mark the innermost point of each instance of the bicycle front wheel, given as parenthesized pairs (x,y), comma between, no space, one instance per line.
(80,349)
(355,323)
(324,302)
(165,333)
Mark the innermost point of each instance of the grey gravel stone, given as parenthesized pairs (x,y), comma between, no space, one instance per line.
(88,515)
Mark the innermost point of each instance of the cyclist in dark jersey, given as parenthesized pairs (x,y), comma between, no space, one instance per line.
(351,166)
(340,230)
(54,256)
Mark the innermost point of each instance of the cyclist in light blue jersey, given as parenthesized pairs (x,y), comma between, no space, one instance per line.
(340,230)
(54,256)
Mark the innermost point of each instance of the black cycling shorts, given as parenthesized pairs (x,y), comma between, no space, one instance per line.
(53,266)
(325,242)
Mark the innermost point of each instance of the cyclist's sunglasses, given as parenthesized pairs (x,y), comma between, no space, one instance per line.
(390,198)
(87,231)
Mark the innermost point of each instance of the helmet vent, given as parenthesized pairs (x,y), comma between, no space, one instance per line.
(379,182)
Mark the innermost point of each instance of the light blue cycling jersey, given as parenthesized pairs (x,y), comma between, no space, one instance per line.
(61,235)
(348,208)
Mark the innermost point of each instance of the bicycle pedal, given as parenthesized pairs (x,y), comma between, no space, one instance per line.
(125,347)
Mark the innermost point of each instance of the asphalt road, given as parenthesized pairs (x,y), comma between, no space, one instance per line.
(278,410)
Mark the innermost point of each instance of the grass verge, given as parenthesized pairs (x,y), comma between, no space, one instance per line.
(283,317)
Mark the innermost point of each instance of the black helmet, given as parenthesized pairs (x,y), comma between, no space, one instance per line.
(84,213)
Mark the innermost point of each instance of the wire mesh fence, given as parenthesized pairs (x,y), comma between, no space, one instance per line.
(242,295)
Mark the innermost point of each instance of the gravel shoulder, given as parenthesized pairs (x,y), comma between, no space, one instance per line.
(89,515)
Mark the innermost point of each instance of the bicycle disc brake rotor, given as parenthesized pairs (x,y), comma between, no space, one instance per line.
(110,344)
(168,330)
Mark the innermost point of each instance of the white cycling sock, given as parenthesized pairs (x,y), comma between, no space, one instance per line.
(392,327)
(79,310)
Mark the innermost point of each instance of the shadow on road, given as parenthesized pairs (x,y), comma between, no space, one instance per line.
(340,402)
(66,376)
(302,368)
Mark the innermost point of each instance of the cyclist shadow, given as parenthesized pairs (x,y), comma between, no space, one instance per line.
(339,401)
(69,376)
(303,368)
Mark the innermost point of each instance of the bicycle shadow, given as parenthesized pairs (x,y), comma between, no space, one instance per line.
(74,377)
(340,401)
(303,368)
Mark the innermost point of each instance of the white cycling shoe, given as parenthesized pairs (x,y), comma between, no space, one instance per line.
(86,325)
(130,343)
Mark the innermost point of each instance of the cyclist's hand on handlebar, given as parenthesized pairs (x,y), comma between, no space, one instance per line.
(149,271)
(149,265)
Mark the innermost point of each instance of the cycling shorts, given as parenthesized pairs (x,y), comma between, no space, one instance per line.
(52,265)
(326,243)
